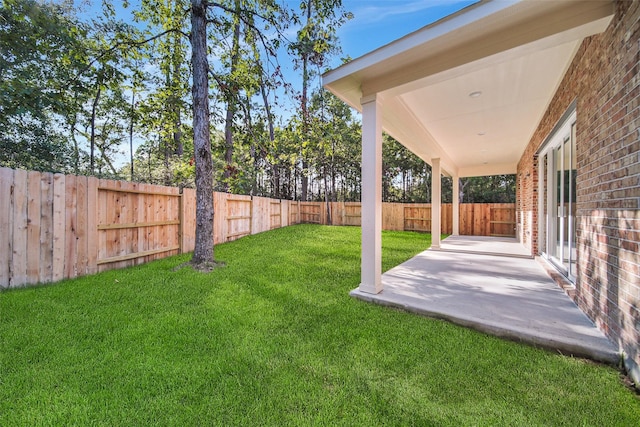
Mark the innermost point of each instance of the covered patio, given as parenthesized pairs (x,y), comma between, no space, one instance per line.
(466,95)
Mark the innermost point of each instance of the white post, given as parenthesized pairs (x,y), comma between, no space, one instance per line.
(371,264)
(455,204)
(436,184)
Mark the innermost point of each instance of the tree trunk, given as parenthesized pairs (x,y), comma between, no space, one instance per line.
(76,147)
(177,126)
(94,107)
(231,102)
(267,109)
(133,106)
(334,197)
(203,251)
(326,198)
(169,145)
(149,169)
(177,133)
(167,170)
(462,184)
(276,182)
(304,179)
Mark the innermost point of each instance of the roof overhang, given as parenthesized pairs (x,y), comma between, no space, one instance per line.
(514,52)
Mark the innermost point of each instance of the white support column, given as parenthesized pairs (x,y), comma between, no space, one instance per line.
(436,201)
(455,199)
(371,264)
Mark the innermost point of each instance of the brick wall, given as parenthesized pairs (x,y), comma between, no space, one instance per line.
(604,80)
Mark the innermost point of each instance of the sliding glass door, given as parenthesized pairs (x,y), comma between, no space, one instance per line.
(558,170)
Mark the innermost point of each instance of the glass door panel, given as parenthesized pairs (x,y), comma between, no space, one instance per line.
(558,185)
(559,214)
(544,229)
(573,168)
(566,199)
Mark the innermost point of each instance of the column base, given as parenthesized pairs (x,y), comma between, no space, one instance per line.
(370,289)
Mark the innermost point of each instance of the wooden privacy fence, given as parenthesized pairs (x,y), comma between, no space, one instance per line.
(55,226)
(487,219)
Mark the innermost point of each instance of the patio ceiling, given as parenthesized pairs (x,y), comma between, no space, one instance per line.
(471,89)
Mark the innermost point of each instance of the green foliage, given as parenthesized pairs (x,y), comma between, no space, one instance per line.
(30,143)
(165,110)
(333,148)
(406,178)
(41,45)
(316,40)
(489,189)
(273,339)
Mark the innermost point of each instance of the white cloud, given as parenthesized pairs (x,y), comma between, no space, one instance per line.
(372,12)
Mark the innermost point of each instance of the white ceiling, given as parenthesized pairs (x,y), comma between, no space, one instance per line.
(493,129)
(514,52)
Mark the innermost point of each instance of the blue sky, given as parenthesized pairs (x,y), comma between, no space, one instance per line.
(379,22)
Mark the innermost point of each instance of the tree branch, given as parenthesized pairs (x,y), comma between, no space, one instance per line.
(128,43)
(242,14)
(273,22)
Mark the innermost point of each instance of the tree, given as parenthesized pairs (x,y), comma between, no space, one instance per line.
(488,189)
(333,133)
(166,103)
(230,99)
(405,177)
(41,44)
(246,35)
(315,42)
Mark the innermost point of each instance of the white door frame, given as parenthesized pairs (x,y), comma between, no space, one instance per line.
(554,203)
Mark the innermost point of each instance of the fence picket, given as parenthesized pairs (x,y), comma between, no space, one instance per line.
(59,229)
(34,214)
(19,242)
(70,259)
(6,191)
(189,219)
(82,234)
(46,229)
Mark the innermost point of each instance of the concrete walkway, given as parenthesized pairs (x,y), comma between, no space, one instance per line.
(493,285)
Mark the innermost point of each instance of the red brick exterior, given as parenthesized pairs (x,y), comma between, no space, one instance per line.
(604,80)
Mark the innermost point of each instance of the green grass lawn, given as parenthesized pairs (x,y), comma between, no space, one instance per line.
(274,339)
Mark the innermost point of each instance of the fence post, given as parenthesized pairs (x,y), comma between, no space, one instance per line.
(6,225)
(180,221)
(92,225)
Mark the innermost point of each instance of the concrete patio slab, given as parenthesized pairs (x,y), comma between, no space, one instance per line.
(507,295)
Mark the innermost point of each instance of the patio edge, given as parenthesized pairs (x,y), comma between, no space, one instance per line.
(541,340)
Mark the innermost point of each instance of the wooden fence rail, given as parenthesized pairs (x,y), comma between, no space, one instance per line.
(55,226)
